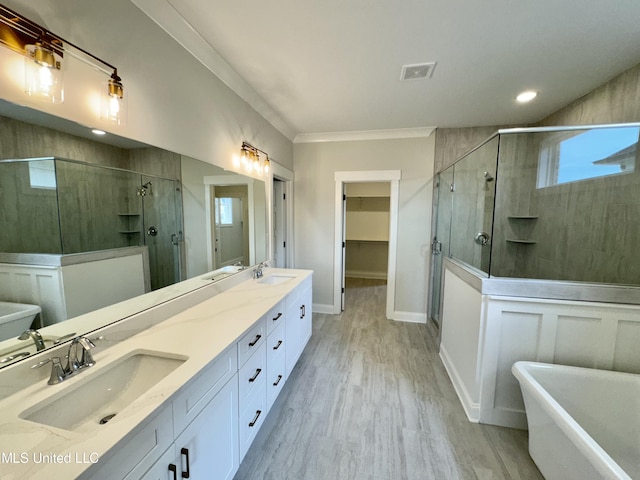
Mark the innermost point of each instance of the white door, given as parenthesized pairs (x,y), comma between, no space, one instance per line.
(279,224)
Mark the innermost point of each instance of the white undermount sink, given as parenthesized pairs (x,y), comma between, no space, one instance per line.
(276,279)
(91,403)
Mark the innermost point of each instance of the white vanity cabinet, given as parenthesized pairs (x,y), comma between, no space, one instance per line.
(208,447)
(298,322)
(207,427)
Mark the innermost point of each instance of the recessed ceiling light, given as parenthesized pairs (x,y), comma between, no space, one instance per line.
(526,96)
(98,132)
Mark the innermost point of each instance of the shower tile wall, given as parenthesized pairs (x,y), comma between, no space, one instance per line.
(586,230)
(24,140)
(473,205)
(93,207)
(28,216)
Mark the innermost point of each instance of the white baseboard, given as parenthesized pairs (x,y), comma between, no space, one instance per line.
(411,317)
(366,274)
(470,408)
(322,308)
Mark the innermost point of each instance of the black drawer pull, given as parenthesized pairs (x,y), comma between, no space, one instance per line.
(253,379)
(277,316)
(278,345)
(277,381)
(255,419)
(174,469)
(255,340)
(185,452)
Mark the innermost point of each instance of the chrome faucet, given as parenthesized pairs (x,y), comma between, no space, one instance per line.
(35,336)
(257,272)
(78,357)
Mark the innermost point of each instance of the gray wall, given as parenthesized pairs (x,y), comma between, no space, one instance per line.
(315,165)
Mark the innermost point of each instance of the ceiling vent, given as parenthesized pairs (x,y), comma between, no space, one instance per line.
(418,71)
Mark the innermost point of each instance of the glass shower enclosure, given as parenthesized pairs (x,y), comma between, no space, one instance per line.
(559,204)
(59,206)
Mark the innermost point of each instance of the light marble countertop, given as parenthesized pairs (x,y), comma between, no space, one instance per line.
(199,333)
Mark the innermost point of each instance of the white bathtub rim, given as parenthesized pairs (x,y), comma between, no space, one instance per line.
(596,455)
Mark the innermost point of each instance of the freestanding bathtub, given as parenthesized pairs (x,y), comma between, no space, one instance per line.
(15,318)
(583,423)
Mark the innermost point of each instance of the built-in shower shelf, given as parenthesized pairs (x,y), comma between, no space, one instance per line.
(523,242)
(523,217)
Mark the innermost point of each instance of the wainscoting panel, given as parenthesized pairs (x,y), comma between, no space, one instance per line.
(36,285)
(593,335)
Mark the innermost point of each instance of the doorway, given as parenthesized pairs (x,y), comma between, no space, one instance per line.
(281,220)
(367,235)
(373,224)
(231,226)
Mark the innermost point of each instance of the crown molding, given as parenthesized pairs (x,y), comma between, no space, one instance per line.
(364,135)
(170,20)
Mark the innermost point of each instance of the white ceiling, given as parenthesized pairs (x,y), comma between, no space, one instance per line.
(334,65)
(311,67)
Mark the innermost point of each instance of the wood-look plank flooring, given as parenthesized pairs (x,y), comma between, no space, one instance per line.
(370,400)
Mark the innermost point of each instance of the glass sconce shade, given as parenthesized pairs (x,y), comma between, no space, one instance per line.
(43,74)
(114,107)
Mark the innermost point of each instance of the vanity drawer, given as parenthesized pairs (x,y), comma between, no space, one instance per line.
(251,375)
(275,317)
(251,341)
(276,376)
(194,397)
(275,342)
(252,417)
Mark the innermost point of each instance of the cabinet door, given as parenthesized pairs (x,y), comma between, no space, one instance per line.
(292,331)
(209,448)
(306,327)
(161,470)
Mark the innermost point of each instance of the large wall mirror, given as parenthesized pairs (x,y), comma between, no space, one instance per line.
(89,222)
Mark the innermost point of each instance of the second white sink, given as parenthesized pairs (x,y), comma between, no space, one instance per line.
(89,404)
(276,279)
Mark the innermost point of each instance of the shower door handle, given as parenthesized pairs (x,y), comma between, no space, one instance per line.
(482,238)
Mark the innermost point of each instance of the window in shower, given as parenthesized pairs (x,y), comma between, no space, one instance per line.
(42,173)
(567,157)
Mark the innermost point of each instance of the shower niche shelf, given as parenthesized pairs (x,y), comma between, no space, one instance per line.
(522,217)
(521,241)
(129,224)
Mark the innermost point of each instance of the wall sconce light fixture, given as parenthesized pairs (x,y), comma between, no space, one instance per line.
(44,52)
(253,160)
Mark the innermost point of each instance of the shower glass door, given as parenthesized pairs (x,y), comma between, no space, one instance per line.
(440,244)
(473,200)
(162,220)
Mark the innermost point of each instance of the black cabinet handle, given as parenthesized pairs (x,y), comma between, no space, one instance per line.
(277,316)
(255,340)
(301,311)
(172,468)
(277,381)
(255,419)
(278,345)
(185,452)
(253,379)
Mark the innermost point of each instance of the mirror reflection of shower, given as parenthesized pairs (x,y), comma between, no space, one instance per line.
(144,189)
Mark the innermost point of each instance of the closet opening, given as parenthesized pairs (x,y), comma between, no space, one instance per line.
(366,200)
(366,259)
